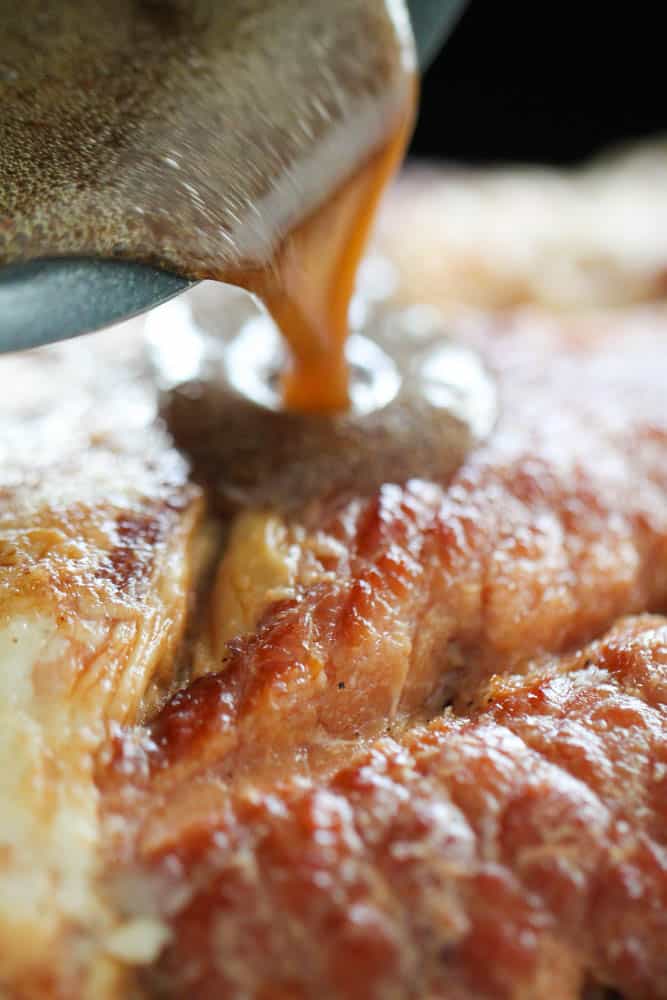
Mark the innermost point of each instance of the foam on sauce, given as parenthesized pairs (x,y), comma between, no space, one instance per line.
(246,142)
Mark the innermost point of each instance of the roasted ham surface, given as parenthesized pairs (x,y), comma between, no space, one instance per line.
(411,776)
(514,850)
(384,737)
(96,527)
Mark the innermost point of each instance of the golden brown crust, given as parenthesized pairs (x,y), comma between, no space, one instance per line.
(96,522)
(425,589)
(241,814)
(513,852)
(404,764)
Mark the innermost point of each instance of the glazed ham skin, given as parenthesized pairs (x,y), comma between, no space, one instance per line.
(96,530)
(511,845)
(327,800)
(514,851)
(412,596)
(397,735)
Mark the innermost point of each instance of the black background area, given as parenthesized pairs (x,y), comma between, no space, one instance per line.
(544,81)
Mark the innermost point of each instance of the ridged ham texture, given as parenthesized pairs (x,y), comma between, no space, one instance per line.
(96,524)
(360,732)
(404,600)
(403,780)
(515,850)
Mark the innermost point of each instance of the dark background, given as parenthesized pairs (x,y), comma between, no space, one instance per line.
(543,81)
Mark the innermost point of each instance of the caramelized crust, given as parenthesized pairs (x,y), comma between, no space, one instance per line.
(505,846)
(410,597)
(95,534)
(309,811)
(378,742)
(512,851)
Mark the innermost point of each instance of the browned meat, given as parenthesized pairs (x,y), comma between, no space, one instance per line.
(310,819)
(408,598)
(97,520)
(515,851)
(391,765)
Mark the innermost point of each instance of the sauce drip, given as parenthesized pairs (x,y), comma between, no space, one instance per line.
(308,290)
(247,142)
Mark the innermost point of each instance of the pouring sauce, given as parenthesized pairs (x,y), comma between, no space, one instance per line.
(247,142)
(308,294)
